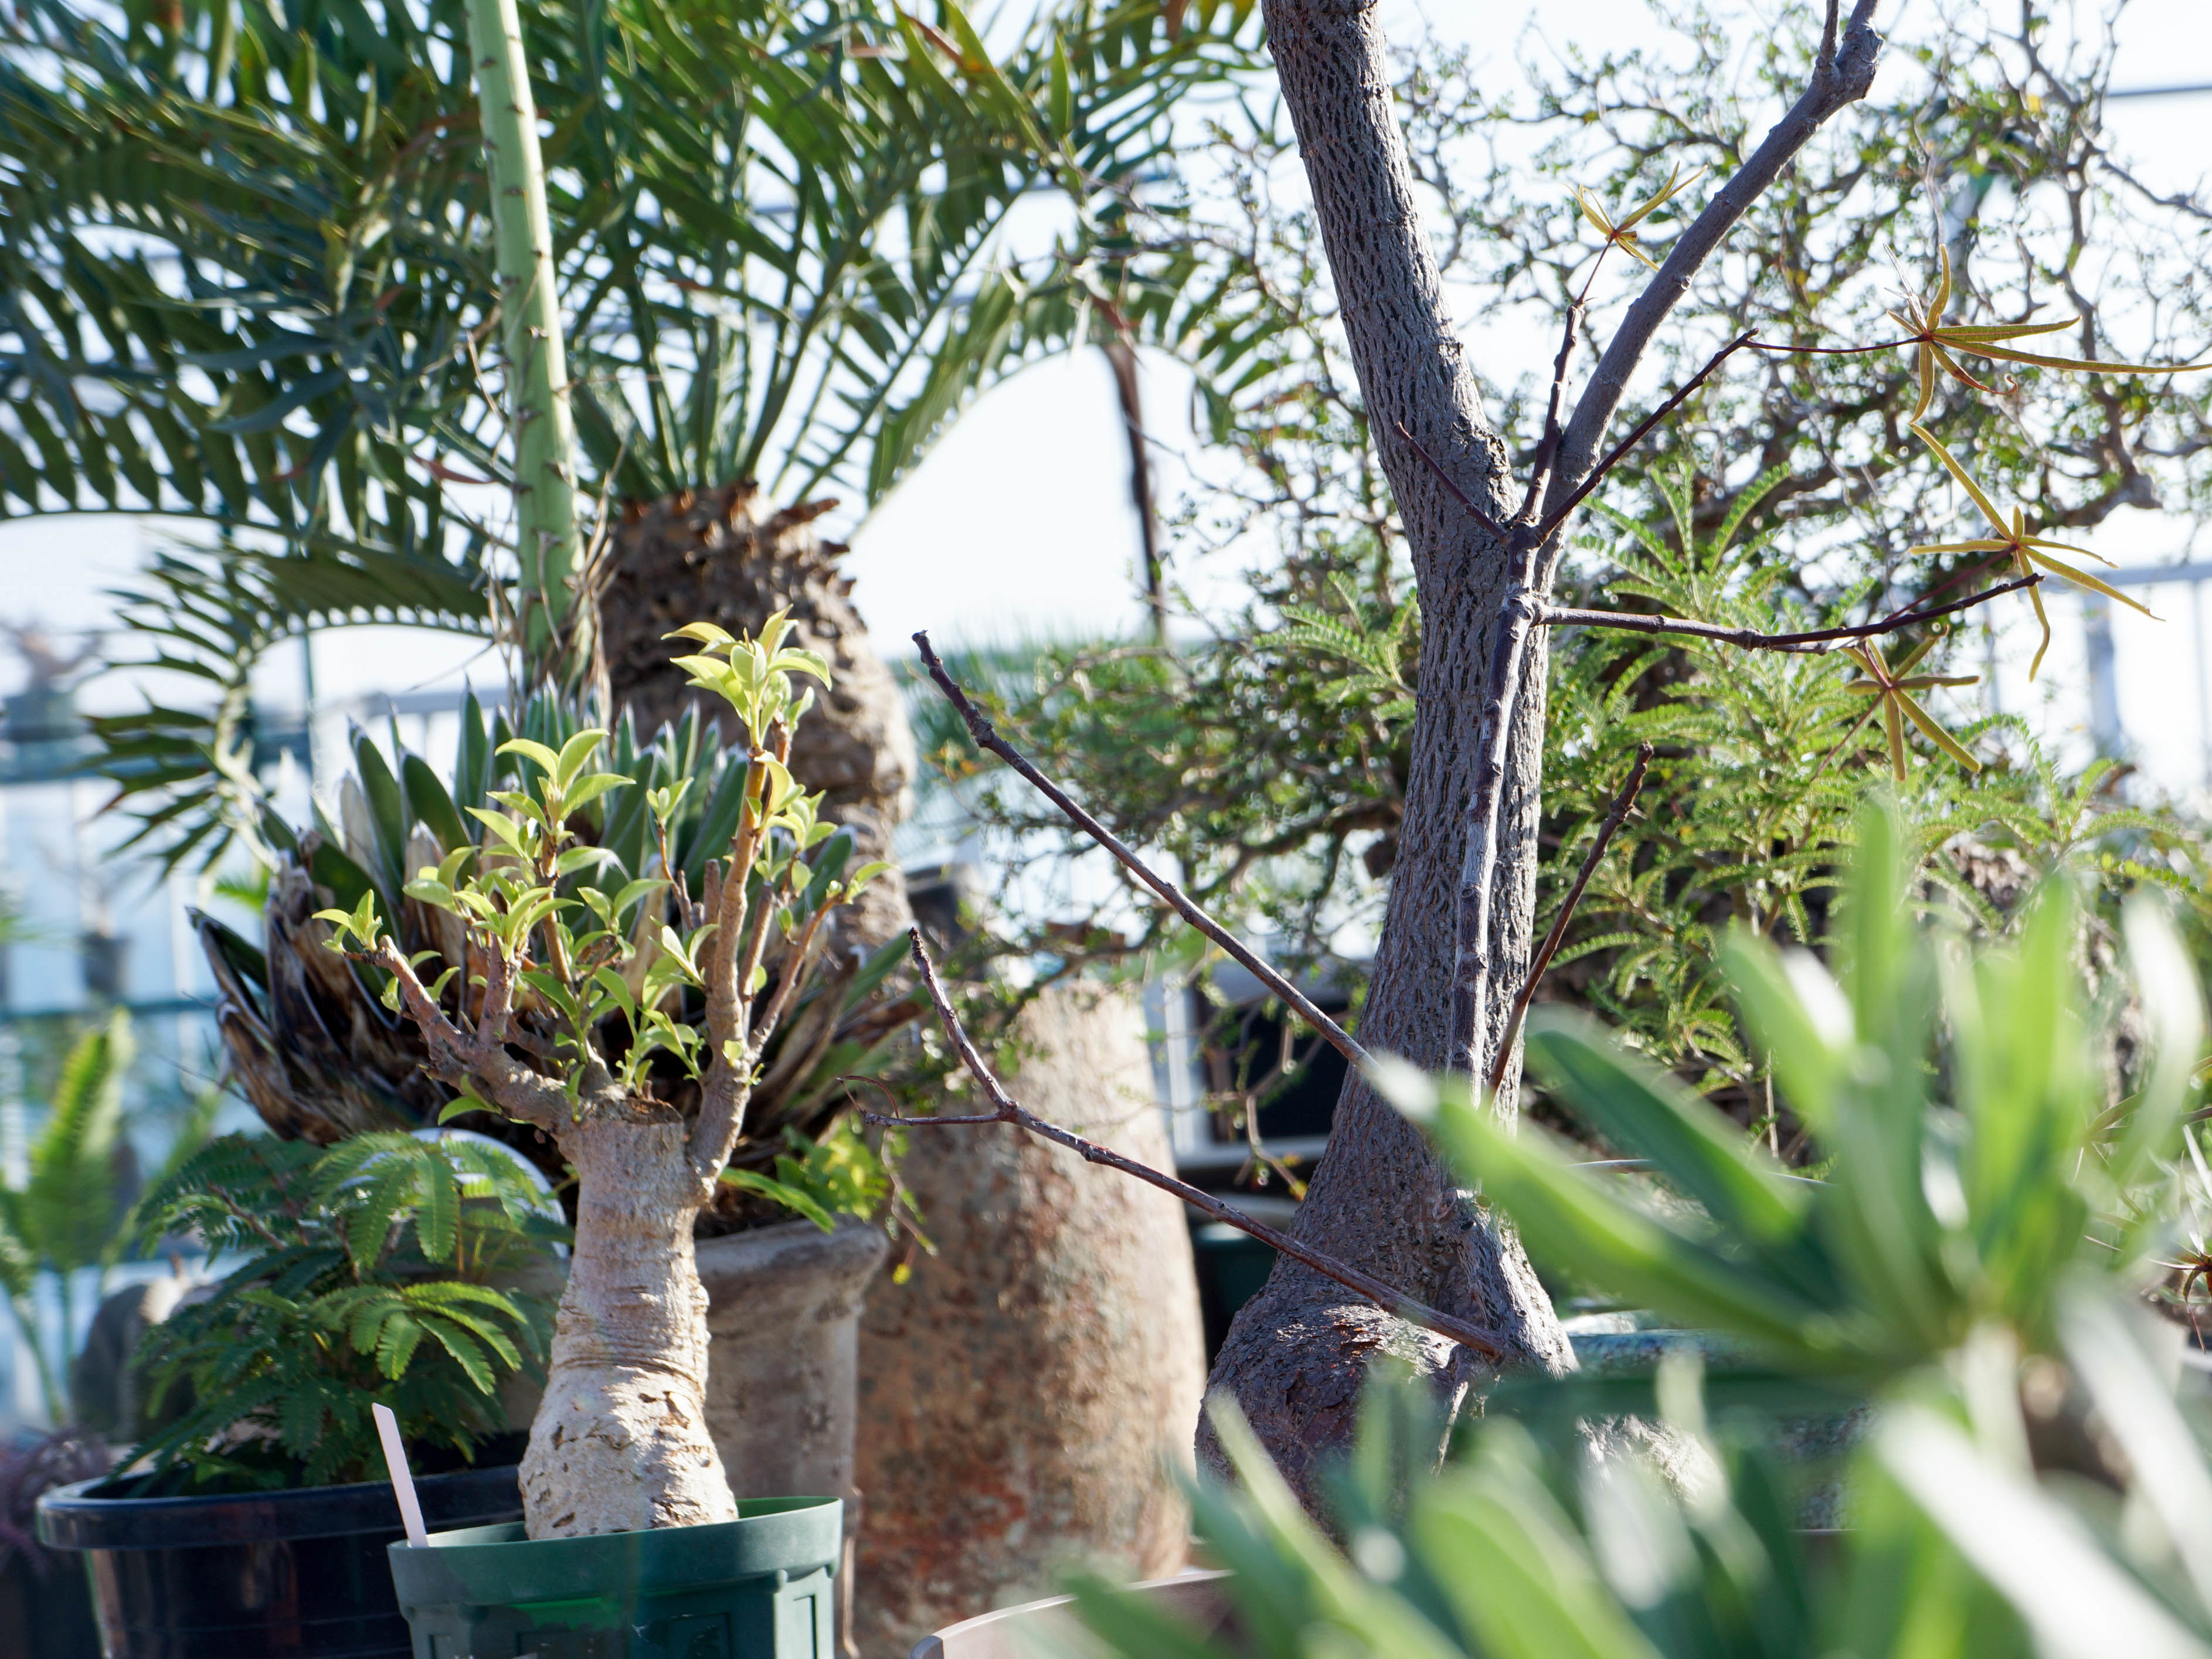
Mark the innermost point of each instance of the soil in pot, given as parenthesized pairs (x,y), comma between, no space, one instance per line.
(760,1587)
(267,1575)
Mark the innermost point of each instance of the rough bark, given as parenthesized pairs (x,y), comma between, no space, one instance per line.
(1022,1392)
(1296,1354)
(707,555)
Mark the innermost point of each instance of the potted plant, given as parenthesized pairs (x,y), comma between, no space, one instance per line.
(626,1016)
(388,1268)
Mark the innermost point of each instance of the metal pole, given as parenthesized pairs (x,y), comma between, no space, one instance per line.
(2104,729)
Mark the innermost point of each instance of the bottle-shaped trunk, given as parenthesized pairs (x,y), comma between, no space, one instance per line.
(621,1443)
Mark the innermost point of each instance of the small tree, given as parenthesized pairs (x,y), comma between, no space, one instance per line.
(1453,969)
(620,1442)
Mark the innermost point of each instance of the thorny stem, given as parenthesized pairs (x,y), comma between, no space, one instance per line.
(1616,815)
(986,737)
(1751,640)
(1007,1109)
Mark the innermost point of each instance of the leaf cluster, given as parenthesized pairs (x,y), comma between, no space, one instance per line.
(580,853)
(374,1274)
(246,276)
(1939,1212)
(2028,1479)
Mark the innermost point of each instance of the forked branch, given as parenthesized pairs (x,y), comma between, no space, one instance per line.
(1751,639)
(1007,1109)
(986,737)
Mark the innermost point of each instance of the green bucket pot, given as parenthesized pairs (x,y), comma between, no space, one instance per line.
(758,1587)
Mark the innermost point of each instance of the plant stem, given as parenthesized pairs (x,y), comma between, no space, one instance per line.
(1631,621)
(546,537)
(986,737)
(1007,1109)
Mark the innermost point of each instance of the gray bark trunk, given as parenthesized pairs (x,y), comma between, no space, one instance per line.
(1298,1353)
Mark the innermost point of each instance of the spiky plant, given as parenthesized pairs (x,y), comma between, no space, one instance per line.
(627,1011)
(310,1037)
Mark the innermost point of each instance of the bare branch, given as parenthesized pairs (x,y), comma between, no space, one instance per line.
(1623,803)
(1619,451)
(1488,1344)
(986,737)
(1547,448)
(1751,639)
(1840,76)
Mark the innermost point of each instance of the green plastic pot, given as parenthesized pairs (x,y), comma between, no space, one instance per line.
(755,1588)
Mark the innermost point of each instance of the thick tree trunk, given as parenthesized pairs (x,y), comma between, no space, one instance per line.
(1298,1353)
(708,556)
(621,1441)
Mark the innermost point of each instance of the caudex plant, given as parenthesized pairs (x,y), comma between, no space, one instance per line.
(620,1442)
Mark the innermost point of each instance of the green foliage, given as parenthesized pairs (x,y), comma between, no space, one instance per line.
(572,829)
(73,1213)
(1752,802)
(372,1277)
(776,231)
(562,881)
(1968,1264)
(1939,1212)
(1267,756)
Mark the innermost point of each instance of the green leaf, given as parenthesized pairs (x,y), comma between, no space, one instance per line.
(790,1197)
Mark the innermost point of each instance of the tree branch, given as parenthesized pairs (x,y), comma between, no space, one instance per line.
(1621,450)
(986,737)
(1751,639)
(1451,489)
(1840,76)
(478,1058)
(1623,803)
(1490,1346)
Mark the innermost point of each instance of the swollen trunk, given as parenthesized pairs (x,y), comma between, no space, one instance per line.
(621,1443)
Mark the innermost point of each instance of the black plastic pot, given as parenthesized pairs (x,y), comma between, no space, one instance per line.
(46,1615)
(758,1587)
(280,1575)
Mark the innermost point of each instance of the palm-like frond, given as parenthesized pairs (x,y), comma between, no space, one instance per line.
(776,228)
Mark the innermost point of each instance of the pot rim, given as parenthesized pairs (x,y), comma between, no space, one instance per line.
(490,1565)
(80,1517)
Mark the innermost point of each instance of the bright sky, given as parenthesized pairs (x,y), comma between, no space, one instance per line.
(1019,523)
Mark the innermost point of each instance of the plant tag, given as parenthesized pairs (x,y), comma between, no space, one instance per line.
(403,1483)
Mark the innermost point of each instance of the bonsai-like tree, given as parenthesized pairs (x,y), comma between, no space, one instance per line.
(620,1442)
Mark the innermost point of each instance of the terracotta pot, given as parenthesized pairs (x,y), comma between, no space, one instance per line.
(1025,1391)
